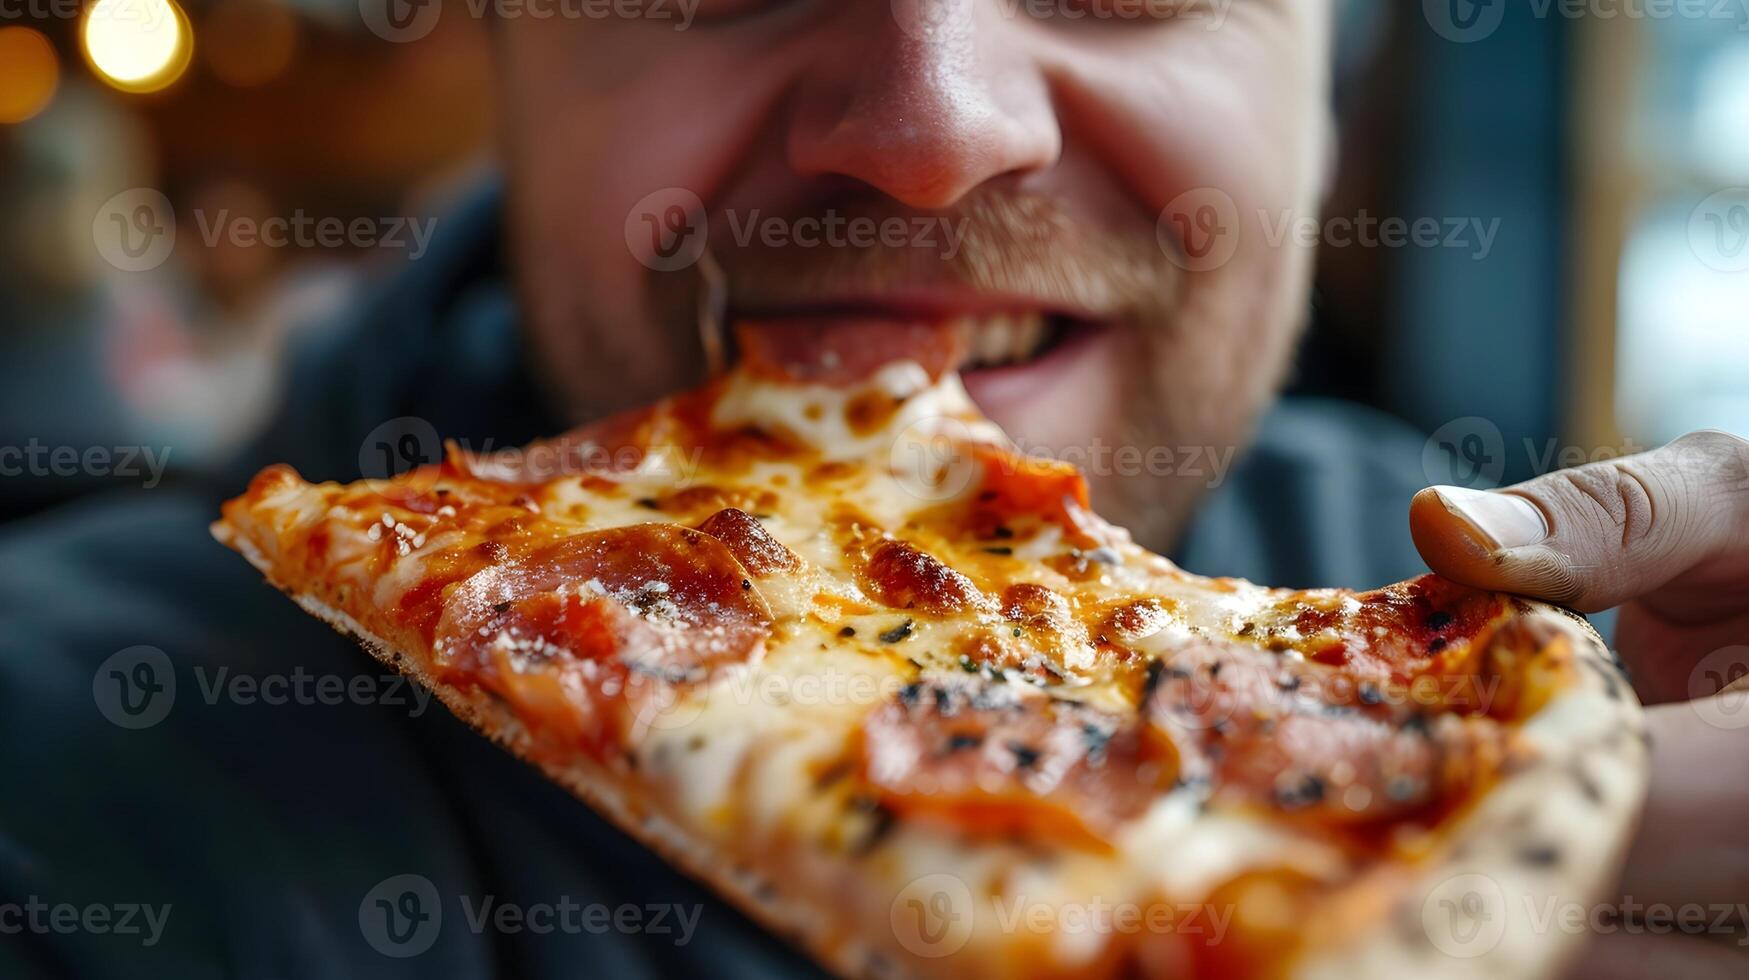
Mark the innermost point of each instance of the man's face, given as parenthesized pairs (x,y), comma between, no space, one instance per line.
(1090,183)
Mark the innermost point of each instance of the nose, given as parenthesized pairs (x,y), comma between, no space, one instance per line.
(924,116)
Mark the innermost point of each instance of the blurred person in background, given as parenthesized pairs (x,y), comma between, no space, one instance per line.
(1089,160)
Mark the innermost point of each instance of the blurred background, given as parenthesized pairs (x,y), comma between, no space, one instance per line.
(1605,148)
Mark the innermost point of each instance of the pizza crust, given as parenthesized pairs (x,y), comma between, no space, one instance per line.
(1552,832)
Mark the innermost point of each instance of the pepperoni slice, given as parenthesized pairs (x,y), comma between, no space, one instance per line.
(1304,739)
(1015,485)
(904,577)
(1398,630)
(750,542)
(841,351)
(581,635)
(600,450)
(995,760)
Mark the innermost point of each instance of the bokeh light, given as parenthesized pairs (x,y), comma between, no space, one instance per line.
(29,73)
(138,45)
(249,42)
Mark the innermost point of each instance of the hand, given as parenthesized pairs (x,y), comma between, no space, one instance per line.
(1665,536)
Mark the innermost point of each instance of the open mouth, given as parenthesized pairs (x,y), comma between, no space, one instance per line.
(845,342)
(1009,339)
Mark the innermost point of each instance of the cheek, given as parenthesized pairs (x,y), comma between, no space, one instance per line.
(611,127)
(1211,131)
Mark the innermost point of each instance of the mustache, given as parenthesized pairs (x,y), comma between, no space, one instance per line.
(1015,245)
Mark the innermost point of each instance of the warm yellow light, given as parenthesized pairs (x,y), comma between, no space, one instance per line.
(28,73)
(138,45)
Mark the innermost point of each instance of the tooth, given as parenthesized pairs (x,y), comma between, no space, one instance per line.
(1003,338)
(1029,334)
(996,344)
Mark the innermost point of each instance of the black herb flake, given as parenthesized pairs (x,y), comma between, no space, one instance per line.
(649,503)
(1155,668)
(897,633)
(1541,856)
(847,632)
(960,741)
(1304,792)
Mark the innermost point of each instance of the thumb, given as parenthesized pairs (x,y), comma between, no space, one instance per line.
(1594,536)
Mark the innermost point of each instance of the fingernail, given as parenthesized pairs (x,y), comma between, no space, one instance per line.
(1497,520)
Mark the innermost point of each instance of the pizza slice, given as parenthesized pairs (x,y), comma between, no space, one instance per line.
(820,636)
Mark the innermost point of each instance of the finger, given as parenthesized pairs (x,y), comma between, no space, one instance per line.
(1636,953)
(1595,536)
(1676,660)
(1691,845)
